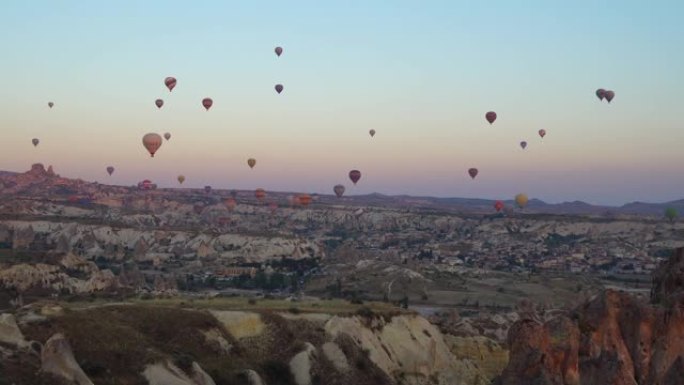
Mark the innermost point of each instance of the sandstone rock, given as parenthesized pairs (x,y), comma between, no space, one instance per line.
(253,377)
(335,355)
(300,365)
(200,377)
(10,333)
(487,355)
(166,373)
(58,359)
(215,338)
(240,324)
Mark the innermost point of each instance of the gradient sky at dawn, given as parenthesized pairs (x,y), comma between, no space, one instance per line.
(421,73)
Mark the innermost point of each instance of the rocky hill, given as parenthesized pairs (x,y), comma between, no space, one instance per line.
(614,339)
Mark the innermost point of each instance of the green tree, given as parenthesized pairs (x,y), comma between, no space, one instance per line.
(671,214)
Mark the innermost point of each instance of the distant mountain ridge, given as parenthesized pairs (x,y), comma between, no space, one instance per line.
(39,177)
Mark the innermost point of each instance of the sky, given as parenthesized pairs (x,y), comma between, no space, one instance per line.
(421,73)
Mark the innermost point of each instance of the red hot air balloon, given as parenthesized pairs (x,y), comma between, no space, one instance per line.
(339,190)
(472,172)
(170,83)
(354,175)
(490,116)
(498,206)
(230,203)
(159,103)
(609,96)
(304,199)
(110,170)
(601,93)
(207,103)
(542,132)
(279,50)
(152,142)
(51,104)
(523,144)
(260,194)
(279,88)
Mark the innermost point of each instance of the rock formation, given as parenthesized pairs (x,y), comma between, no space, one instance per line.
(58,359)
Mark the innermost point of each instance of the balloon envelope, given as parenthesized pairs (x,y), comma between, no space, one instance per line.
(207,103)
(523,144)
(279,88)
(521,200)
(498,205)
(110,170)
(304,199)
(278,50)
(354,175)
(159,103)
(167,136)
(490,116)
(542,133)
(170,82)
(35,142)
(207,189)
(472,172)
(372,133)
(339,190)
(609,96)
(601,93)
(152,142)
(230,203)
(51,104)
(260,194)
(181,179)
(251,162)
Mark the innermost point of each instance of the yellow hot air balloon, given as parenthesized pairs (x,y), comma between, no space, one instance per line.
(181,179)
(251,162)
(521,200)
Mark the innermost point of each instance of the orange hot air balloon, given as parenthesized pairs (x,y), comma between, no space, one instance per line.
(167,136)
(279,88)
(152,142)
(498,206)
(278,50)
(609,96)
(490,116)
(51,104)
(472,172)
(304,199)
(251,162)
(35,142)
(110,170)
(207,103)
(260,194)
(339,190)
(170,83)
(230,203)
(372,133)
(159,103)
(354,175)
(542,133)
(521,200)
(181,179)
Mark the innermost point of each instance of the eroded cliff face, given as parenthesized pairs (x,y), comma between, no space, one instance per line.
(614,339)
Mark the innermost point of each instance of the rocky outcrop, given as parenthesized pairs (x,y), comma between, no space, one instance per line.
(300,365)
(614,339)
(486,355)
(58,359)
(240,324)
(10,333)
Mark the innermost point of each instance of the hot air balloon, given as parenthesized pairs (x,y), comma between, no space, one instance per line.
(207,189)
(279,88)
(521,200)
(523,144)
(110,170)
(181,179)
(251,162)
(207,102)
(304,199)
(278,50)
(170,83)
(159,103)
(472,172)
(260,194)
(35,142)
(339,190)
(609,96)
(167,136)
(542,133)
(152,142)
(354,175)
(230,203)
(372,133)
(490,116)
(498,205)
(601,93)
(51,104)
